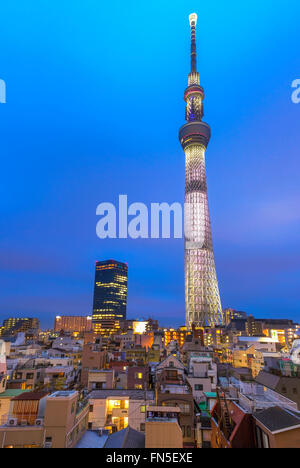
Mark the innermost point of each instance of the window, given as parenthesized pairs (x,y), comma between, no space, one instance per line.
(283,389)
(138,386)
(29,375)
(142,427)
(142,409)
(183,431)
(188,431)
(262,438)
(90,425)
(295,391)
(171,364)
(138,375)
(91,409)
(184,408)
(198,387)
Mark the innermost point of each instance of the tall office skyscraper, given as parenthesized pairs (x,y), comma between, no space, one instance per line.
(110,291)
(202,298)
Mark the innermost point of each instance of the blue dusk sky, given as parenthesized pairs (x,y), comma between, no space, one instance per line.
(94,104)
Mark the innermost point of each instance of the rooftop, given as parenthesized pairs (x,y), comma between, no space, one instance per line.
(277,419)
(63,394)
(130,394)
(126,438)
(92,439)
(11,393)
(30,395)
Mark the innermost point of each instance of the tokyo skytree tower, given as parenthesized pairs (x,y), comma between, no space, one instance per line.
(202,298)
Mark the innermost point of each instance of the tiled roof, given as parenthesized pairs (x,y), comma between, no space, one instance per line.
(267,379)
(12,392)
(126,438)
(277,419)
(31,396)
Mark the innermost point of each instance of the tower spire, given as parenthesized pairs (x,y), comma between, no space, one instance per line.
(202,297)
(193,22)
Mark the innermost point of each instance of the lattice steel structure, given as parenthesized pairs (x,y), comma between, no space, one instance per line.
(202,298)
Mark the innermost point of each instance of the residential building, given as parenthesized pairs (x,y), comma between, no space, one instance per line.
(289,387)
(40,420)
(116,409)
(277,427)
(138,377)
(162,429)
(231,426)
(101,379)
(93,358)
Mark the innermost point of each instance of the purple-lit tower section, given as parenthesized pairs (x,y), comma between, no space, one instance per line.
(202,298)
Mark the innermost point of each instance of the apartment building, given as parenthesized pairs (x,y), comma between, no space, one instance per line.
(138,377)
(93,358)
(41,420)
(162,429)
(101,379)
(174,390)
(116,409)
(202,376)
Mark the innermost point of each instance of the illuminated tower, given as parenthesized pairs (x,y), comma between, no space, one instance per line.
(110,292)
(202,298)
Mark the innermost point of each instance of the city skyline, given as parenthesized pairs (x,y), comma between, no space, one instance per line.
(59,161)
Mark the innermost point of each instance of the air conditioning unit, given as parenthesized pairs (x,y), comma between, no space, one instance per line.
(48,445)
(24,422)
(13,422)
(39,422)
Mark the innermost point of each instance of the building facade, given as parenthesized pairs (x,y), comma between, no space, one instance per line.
(110,292)
(72,323)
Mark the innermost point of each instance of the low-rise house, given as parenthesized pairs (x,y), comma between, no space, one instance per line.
(231,426)
(101,379)
(162,427)
(138,377)
(202,376)
(137,354)
(288,387)
(253,396)
(277,427)
(116,409)
(5,399)
(40,420)
(61,377)
(93,358)
(33,376)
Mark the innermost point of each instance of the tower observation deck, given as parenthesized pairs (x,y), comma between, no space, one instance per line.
(202,298)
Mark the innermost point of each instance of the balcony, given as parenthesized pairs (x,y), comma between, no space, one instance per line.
(119,413)
(11,420)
